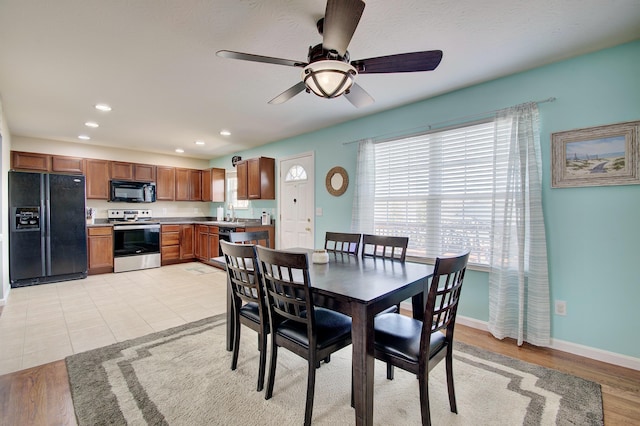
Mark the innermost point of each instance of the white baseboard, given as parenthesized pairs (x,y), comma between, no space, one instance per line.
(572,348)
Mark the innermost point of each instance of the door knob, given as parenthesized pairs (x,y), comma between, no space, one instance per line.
(307,229)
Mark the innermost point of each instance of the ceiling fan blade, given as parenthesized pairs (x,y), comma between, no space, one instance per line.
(340,21)
(258,58)
(403,62)
(358,96)
(288,94)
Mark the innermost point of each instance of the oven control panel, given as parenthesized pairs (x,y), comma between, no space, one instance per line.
(129,214)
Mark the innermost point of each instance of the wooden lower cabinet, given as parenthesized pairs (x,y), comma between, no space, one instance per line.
(100,249)
(207,242)
(177,244)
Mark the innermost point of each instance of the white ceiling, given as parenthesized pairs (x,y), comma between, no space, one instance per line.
(154,62)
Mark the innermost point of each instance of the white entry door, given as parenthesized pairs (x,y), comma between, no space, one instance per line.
(296,203)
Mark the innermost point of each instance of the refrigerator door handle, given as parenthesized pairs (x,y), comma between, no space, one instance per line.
(47,225)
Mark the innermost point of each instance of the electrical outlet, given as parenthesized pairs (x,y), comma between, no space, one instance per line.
(561,307)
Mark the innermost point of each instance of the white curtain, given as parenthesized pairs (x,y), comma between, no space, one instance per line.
(518,278)
(363,200)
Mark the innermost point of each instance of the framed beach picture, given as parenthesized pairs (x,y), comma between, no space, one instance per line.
(596,156)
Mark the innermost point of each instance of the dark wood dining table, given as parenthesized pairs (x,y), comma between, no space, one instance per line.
(361,288)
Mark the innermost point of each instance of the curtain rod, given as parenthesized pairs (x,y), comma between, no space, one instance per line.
(417,131)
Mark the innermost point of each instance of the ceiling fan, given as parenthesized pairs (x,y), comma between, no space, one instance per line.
(329,72)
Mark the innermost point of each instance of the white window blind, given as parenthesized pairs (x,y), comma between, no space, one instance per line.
(439,189)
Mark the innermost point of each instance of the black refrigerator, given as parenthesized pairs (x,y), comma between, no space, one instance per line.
(48,233)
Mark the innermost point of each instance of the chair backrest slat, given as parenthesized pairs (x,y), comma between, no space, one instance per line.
(259,238)
(388,247)
(287,285)
(244,276)
(442,300)
(342,242)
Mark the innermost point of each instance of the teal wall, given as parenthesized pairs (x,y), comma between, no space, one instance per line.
(592,232)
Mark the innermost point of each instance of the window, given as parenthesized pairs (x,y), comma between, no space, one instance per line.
(232,192)
(296,172)
(439,189)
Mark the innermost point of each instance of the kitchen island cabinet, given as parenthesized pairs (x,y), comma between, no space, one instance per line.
(177,244)
(100,249)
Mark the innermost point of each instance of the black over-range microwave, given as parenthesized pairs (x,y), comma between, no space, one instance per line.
(133,192)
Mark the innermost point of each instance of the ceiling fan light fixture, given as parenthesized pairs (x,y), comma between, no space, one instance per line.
(329,78)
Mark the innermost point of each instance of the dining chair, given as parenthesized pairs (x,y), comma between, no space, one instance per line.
(418,346)
(342,242)
(385,246)
(253,237)
(310,332)
(249,306)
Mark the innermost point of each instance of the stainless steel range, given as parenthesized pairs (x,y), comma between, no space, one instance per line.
(136,242)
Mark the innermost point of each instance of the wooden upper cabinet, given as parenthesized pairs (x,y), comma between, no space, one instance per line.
(144,172)
(97,173)
(166,183)
(121,171)
(132,171)
(261,178)
(64,164)
(188,185)
(195,185)
(30,161)
(182,184)
(213,185)
(46,162)
(241,170)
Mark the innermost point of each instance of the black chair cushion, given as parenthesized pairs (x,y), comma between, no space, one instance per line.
(250,311)
(399,336)
(331,327)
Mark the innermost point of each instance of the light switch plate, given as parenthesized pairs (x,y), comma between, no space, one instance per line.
(318,211)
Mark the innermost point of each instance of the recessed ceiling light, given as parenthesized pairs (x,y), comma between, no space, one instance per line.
(84,137)
(199,142)
(91,124)
(103,107)
(225,133)
(179,150)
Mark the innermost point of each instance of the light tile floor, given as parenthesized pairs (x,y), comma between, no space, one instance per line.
(48,322)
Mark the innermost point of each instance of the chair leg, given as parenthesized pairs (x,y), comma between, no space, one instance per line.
(263,359)
(236,344)
(424,399)
(311,384)
(353,398)
(327,360)
(450,387)
(389,371)
(272,369)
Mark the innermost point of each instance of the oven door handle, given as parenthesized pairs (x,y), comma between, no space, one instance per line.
(125,227)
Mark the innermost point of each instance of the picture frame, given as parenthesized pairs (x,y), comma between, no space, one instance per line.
(596,156)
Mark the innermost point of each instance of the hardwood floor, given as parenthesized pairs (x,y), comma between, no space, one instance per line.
(41,396)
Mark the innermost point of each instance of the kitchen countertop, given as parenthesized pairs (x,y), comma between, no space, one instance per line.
(239,223)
